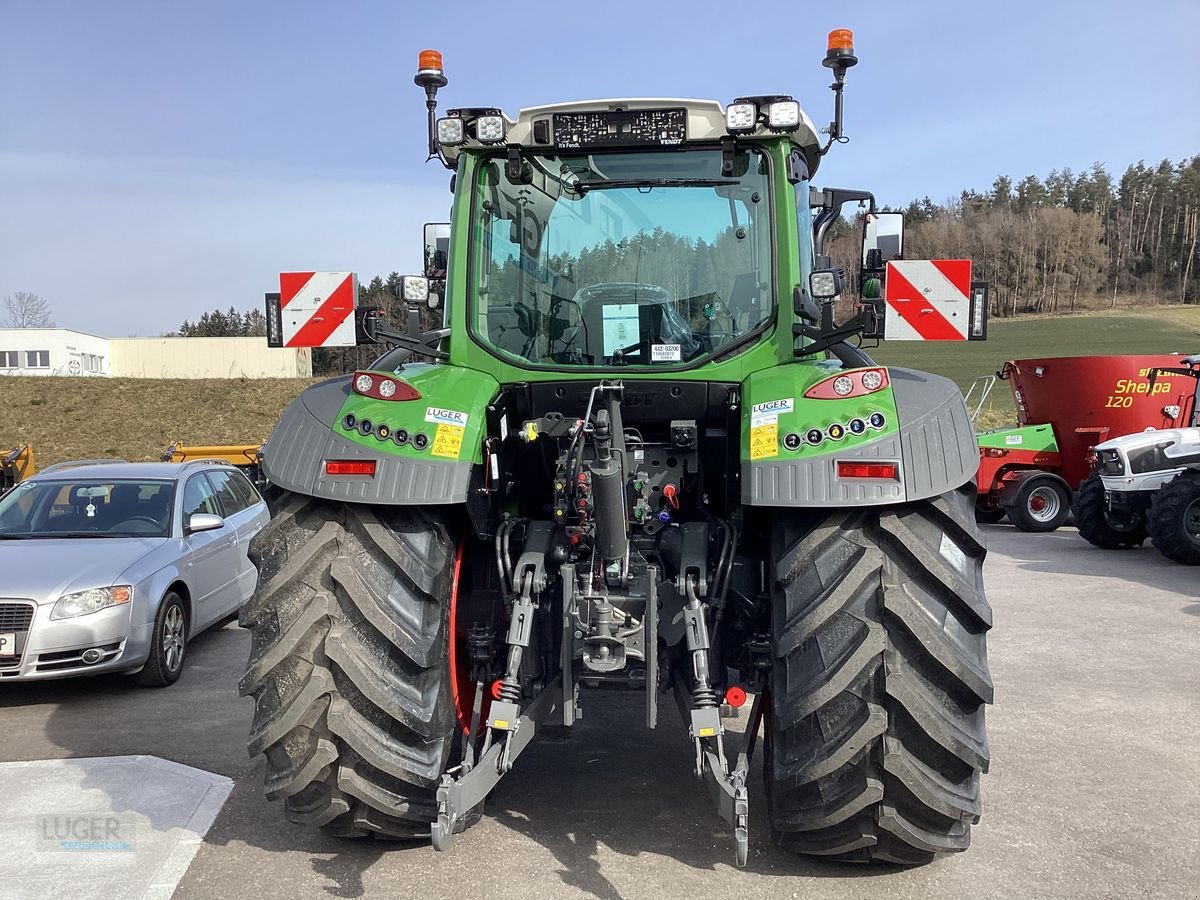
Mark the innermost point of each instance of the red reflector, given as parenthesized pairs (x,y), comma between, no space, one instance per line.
(350,467)
(866,470)
(735,696)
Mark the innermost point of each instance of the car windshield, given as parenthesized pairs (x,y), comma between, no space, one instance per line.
(652,258)
(87,508)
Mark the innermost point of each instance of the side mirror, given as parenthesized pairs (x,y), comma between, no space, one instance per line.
(825,284)
(437,249)
(203,522)
(883,239)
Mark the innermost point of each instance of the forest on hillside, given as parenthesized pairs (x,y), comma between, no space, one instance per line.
(1065,241)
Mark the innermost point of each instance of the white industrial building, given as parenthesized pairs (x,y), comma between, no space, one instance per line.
(60,351)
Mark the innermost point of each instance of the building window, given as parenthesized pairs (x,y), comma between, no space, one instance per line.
(8,359)
(37,359)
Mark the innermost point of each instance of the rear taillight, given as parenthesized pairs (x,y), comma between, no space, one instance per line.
(885,471)
(855,383)
(994,451)
(350,467)
(382,387)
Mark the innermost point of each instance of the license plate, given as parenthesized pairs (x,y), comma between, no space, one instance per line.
(8,644)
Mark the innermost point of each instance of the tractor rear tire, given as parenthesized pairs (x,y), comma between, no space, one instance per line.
(1042,503)
(1096,526)
(349,666)
(1174,519)
(875,740)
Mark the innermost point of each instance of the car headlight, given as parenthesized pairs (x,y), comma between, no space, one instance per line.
(81,603)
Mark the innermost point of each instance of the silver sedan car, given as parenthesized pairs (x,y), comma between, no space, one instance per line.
(112,567)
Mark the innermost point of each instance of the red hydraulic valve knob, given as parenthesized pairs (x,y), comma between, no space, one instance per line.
(672,496)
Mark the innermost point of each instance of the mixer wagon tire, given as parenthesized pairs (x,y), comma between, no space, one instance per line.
(1096,526)
(349,665)
(1041,504)
(989,515)
(1174,519)
(875,738)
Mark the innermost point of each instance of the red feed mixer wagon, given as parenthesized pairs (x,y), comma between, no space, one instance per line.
(1065,407)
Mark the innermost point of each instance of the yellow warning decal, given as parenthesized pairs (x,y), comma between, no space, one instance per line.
(447,441)
(501,724)
(707,732)
(764,440)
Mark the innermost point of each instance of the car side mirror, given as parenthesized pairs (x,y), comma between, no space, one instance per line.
(198,522)
(883,238)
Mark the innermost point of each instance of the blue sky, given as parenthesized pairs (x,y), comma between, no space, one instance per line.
(161,158)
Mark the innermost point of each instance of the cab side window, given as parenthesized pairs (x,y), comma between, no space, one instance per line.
(199,497)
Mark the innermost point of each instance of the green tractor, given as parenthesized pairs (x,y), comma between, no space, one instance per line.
(645,459)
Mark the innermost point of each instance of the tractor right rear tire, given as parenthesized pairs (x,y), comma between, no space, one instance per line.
(349,666)
(1174,519)
(875,732)
(1096,526)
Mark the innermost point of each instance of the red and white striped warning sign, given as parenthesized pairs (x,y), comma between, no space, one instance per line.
(317,308)
(927,300)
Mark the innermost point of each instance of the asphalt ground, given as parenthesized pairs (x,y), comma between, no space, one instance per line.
(1093,791)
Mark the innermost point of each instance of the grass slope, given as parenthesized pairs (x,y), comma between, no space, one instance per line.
(1119,332)
(77,418)
(135,419)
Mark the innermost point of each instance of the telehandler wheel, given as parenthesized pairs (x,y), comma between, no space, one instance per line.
(1097,527)
(1042,503)
(349,666)
(1174,519)
(875,738)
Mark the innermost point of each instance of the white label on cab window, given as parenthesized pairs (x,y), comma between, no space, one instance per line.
(665,353)
(446,416)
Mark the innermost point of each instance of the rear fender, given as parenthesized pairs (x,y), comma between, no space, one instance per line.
(329,421)
(926,432)
(1013,479)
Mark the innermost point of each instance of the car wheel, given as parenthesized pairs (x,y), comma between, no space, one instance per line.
(168,646)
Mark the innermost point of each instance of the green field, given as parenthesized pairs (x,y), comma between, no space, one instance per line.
(1161,330)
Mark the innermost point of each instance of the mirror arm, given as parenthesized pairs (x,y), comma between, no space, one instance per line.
(831,202)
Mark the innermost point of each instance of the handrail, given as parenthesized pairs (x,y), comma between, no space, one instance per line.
(985,383)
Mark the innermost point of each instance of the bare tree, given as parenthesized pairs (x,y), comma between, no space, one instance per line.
(25,309)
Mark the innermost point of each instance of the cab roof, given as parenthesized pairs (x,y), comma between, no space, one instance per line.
(705,123)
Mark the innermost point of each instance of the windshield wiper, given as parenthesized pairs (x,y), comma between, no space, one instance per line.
(582,187)
(53,535)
